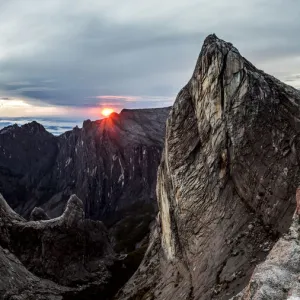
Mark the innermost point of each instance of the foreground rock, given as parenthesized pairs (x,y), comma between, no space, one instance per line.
(278,278)
(68,257)
(38,214)
(226,181)
(111,164)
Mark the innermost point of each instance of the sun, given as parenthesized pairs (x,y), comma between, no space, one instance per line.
(107,111)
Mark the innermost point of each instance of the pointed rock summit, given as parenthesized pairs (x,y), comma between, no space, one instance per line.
(226,183)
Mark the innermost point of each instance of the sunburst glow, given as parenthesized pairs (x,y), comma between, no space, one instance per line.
(107,111)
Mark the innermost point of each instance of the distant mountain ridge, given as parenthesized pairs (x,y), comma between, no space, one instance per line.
(110,164)
(55,125)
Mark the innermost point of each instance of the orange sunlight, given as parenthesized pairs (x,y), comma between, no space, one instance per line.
(107,111)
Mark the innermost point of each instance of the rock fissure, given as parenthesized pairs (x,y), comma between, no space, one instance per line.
(221,80)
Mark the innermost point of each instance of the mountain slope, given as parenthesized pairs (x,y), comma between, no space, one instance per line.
(68,257)
(111,164)
(226,184)
(27,156)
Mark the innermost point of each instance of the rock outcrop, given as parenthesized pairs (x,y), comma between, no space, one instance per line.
(17,283)
(38,214)
(278,277)
(226,184)
(27,156)
(111,164)
(68,257)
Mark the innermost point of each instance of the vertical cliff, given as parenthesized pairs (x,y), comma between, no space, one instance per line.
(227,180)
(111,163)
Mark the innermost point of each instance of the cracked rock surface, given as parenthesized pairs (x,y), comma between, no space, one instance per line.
(278,277)
(226,183)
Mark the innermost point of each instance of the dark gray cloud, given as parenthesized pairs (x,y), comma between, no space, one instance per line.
(73,53)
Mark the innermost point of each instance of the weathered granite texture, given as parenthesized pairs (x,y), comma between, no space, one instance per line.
(278,277)
(226,184)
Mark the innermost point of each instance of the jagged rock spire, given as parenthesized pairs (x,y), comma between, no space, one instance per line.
(226,181)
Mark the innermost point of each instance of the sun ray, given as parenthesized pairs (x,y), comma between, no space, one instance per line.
(107,111)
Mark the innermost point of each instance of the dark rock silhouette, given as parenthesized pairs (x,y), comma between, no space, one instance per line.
(38,214)
(68,257)
(111,164)
(226,184)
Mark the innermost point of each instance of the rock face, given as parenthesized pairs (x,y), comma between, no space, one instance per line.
(111,164)
(27,156)
(68,257)
(277,277)
(226,184)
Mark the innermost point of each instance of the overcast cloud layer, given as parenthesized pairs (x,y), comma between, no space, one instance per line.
(67,56)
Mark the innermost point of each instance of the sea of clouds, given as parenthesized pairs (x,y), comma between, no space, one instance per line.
(55,126)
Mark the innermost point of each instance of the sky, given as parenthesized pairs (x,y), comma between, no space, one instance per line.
(69,58)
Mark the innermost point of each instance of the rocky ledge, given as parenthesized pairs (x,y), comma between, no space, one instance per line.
(68,257)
